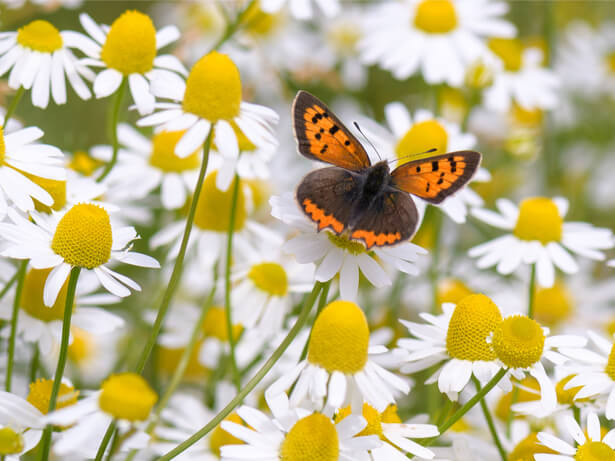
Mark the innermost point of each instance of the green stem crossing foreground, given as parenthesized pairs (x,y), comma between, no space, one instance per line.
(115,120)
(531,292)
(492,429)
(11,109)
(20,276)
(57,379)
(260,374)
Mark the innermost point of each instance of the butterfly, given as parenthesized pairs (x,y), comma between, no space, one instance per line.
(367,203)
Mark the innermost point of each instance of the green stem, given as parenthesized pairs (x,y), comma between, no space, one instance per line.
(491,425)
(34,363)
(576,411)
(177,268)
(117,104)
(21,277)
(227,283)
(322,302)
(9,284)
(57,379)
(260,374)
(532,289)
(234,26)
(11,109)
(105,441)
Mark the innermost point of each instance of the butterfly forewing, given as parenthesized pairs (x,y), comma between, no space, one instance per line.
(322,136)
(435,178)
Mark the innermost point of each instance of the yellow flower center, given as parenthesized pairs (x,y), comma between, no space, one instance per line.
(83,236)
(213,211)
(527,448)
(312,438)
(610,365)
(40,36)
(213,88)
(32,297)
(610,62)
(594,451)
(518,341)
(343,242)
(2,147)
(436,16)
(219,437)
(130,47)
(163,153)
(340,338)
(539,219)
(528,390)
(83,163)
(479,75)
(609,327)
(474,318)
(509,50)
(526,117)
(258,23)
(214,325)
(552,306)
(82,347)
(421,137)
(390,416)
(452,291)
(270,278)
(566,396)
(373,418)
(10,442)
(127,396)
(168,360)
(57,190)
(40,392)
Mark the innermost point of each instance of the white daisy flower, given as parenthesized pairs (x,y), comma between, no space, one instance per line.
(20,426)
(127,51)
(294,431)
(126,398)
(37,323)
(81,236)
(590,443)
(539,236)
(406,135)
(594,371)
(441,38)
(341,367)
(458,337)
(302,9)
(520,77)
(39,58)
(334,253)
(395,435)
(210,98)
(20,159)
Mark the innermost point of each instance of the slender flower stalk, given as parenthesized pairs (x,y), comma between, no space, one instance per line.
(227,284)
(234,26)
(105,441)
(492,429)
(57,380)
(14,103)
(177,268)
(8,285)
(531,292)
(260,374)
(115,118)
(20,277)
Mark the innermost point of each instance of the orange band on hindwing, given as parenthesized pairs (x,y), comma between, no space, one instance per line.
(319,216)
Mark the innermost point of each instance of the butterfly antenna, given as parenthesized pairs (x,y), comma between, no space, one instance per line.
(366,138)
(413,155)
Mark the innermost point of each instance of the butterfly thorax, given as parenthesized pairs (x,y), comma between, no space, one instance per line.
(377,180)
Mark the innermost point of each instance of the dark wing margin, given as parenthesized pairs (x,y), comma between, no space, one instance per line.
(322,136)
(435,178)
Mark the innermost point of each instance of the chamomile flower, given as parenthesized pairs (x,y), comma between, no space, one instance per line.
(146,164)
(406,135)
(341,367)
(39,57)
(302,9)
(459,338)
(40,324)
(126,398)
(520,78)
(439,38)
(296,434)
(395,435)
(591,444)
(81,236)
(210,98)
(335,253)
(539,236)
(21,159)
(127,51)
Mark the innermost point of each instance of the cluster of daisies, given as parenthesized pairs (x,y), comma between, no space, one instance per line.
(163,296)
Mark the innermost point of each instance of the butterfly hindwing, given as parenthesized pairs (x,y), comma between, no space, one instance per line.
(435,178)
(322,136)
(326,195)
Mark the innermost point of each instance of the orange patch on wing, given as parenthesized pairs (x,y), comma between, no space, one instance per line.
(371,238)
(319,216)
